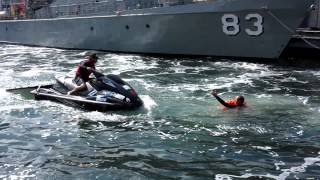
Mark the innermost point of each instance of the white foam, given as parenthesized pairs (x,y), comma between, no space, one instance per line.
(278,164)
(298,169)
(275,88)
(315,73)
(242,66)
(259,96)
(189,87)
(283,176)
(300,133)
(34,72)
(214,133)
(304,99)
(145,84)
(265,148)
(15,107)
(24,174)
(100,116)
(148,102)
(124,63)
(164,135)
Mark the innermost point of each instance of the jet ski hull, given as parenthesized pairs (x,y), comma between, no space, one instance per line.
(49,93)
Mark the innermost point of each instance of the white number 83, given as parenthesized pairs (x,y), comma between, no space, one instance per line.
(231,25)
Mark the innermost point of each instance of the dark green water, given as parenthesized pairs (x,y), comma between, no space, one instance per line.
(180,133)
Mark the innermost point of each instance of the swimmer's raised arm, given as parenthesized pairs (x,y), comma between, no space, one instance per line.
(221,101)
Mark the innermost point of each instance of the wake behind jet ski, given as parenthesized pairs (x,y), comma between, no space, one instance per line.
(104,92)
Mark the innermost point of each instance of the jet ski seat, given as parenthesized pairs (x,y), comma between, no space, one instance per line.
(70,84)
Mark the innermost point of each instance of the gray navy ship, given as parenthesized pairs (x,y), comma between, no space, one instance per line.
(227,28)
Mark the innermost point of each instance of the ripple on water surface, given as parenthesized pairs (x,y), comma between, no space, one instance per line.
(181,132)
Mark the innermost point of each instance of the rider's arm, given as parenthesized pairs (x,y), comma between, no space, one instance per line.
(221,101)
(83,65)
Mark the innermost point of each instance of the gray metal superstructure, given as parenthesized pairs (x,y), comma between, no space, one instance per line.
(237,28)
(312,21)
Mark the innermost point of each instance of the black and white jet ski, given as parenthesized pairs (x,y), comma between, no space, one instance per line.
(104,92)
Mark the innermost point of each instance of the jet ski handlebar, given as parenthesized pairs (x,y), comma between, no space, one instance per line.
(97,74)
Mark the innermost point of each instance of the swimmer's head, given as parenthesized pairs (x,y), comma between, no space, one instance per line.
(240,100)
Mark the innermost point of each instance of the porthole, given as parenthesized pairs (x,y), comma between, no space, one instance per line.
(127,27)
(147,26)
(91,28)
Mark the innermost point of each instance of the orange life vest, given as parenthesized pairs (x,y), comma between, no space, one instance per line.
(232,102)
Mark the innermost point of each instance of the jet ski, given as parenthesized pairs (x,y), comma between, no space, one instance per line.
(104,92)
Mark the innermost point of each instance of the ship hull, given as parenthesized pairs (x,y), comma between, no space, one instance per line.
(262,29)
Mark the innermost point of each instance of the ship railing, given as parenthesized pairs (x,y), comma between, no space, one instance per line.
(74,9)
(13,9)
(106,7)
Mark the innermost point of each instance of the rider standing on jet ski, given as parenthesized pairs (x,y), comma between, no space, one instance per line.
(84,69)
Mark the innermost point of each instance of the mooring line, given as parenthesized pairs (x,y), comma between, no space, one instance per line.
(291,30)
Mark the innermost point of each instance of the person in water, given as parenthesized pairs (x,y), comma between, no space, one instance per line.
(84,69)
(238,101)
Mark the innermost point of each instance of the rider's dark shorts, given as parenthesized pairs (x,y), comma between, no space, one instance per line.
(78,80)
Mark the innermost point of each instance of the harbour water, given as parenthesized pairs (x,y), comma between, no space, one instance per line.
(180,133)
